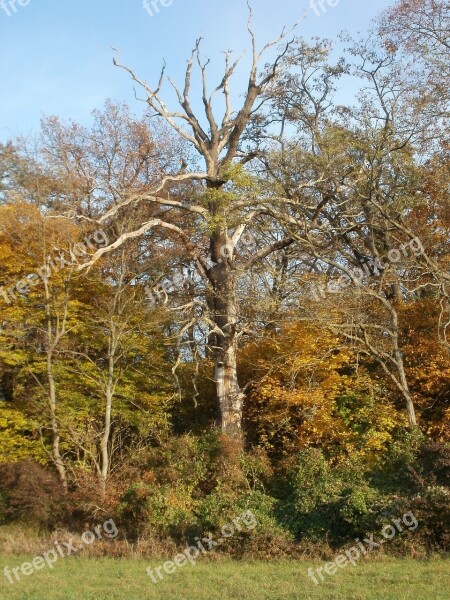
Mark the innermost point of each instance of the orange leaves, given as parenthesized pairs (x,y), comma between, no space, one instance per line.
(428,366)
(306,391)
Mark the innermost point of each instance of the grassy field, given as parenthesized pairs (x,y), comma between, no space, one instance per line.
(102,579)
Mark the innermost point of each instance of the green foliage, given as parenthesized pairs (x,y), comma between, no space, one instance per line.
(195,485)
(339,502)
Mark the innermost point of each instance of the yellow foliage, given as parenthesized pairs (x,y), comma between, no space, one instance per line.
(308,392)
(17,438)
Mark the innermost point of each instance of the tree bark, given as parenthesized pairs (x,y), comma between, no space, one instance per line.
(228,393)
(223,307)
(56,451)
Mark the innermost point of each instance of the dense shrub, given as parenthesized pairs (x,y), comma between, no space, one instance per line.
(192,486)
(326,502)
(29,493)
(321,500)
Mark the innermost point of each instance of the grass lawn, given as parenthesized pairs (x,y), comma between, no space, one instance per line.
(104,579)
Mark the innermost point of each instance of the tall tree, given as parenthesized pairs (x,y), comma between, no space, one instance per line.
(348,182)
(220,202)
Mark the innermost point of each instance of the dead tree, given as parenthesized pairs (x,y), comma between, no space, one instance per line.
(225,220)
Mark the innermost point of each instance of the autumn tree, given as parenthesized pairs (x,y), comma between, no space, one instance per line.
(45,299)
(346,188)
(421,29)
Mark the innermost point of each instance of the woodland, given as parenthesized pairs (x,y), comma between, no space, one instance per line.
(237,302)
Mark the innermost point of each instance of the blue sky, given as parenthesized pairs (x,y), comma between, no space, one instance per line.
(57,57)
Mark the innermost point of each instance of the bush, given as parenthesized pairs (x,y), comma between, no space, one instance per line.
(320,500)
(326,502)
(196,485)
(30,493)
(191,486)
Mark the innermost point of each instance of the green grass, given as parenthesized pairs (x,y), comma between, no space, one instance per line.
(105,579)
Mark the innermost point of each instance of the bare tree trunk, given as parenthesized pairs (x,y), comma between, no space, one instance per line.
(56,452)
(409,403)
(109,394)
(396,358)
(225,316)
(52,341)
(402,382)
(228,393)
